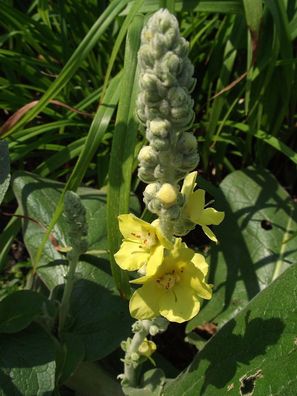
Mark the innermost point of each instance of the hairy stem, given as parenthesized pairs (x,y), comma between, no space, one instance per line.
(70,280)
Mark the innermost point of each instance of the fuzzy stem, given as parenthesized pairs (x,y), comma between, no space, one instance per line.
(166,227)
(70,280)
(137,340)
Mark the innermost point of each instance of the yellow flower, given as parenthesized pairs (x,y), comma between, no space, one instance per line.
(143,244)
(194,208)
(147,348)
(175,289)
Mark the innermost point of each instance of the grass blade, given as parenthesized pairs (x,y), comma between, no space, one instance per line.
(122,152)
(75,60)
(267,138)
(98,127)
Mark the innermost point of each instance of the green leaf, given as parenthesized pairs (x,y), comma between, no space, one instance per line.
(225,7)
(120,37)
(267,138)
(93,140)
(253,14)
(95,313)
(71,355)
(19,309)
(253,354)
(75,61)
(96,308)
(151,384)
(254,246)
(27,363)
(4,169)
(123,150)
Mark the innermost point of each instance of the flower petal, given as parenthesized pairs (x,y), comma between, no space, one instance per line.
(131,256)
(207,231)
(155,260)
(130,226)
(195,205)
(211,216)
(195,279)
(179,304)
(164,241)
(180,252)
(189,184)
(144,303)
(199,261)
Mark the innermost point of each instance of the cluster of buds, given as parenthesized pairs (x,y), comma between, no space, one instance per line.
(138,349)
(165,107)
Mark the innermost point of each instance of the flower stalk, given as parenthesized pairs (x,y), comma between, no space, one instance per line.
(75,215)
(172,276)
(133,350)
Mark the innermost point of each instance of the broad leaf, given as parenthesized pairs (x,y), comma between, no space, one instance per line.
(19,309)
(70,355)
(253,354)
(151,384)
(96,308)
(27,363)
(256,242)
(4,169)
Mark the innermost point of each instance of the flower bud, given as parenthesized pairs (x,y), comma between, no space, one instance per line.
(187,142)
(159,128)
(147,348)
(146,174)
(167,194)
(134,357)
(148,155)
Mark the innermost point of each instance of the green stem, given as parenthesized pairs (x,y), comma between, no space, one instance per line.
(167,227)
(70,279)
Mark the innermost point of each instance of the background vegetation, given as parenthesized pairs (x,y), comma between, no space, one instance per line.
(67,108)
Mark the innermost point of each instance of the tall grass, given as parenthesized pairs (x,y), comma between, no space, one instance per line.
(69,57)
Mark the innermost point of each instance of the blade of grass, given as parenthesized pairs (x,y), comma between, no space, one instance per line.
(75,60)
(120,37)
(225,7)
(7,236)
(57,160)
(97,130)
(269,139)
(253,15)
(122,151)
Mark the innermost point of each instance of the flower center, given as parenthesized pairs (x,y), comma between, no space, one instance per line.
(146,239)
(168,280)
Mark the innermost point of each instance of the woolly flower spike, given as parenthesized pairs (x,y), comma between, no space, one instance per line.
(164,104)
(143,244)
(174,290)
(194,208)
(165,75)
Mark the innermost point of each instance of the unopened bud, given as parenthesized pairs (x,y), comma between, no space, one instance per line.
(147,348)
(147,154)
(159,128)
(167,194)
(134,357)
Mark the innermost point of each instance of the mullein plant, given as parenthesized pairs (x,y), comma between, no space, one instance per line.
(172,277)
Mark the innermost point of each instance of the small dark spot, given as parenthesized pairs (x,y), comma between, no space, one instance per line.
(266,225)
(247,383)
